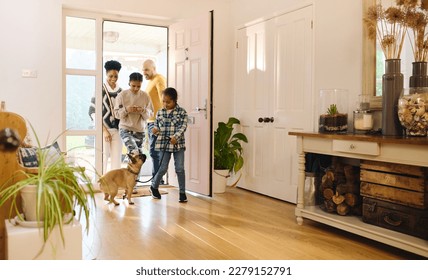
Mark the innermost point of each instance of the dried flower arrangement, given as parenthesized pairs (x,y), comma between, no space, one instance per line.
(417,20)
(390,25)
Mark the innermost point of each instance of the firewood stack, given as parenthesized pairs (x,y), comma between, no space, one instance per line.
(340,189)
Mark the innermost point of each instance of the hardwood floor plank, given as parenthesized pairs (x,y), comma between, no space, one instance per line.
(236,225)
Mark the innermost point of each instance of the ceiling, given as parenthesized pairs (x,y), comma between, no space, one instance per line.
(132,38)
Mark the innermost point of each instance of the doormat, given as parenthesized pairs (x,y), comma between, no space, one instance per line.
(142,191)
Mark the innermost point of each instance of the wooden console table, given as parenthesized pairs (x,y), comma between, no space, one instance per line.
(411,151)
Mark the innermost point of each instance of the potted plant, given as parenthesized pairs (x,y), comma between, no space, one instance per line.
(333,121)
(227,152)
(60,189)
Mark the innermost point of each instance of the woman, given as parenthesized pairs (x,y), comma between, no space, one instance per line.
(112,144)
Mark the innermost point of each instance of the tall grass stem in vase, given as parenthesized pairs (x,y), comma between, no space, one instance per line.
(388,26)
(417,20)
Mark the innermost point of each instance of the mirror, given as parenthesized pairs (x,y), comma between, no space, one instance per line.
(373,63)
(369,62)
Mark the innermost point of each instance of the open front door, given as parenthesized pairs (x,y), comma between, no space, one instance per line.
(189,71)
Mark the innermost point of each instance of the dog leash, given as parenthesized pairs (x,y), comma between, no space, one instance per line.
(160,162)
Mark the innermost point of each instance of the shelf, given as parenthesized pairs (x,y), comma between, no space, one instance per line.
(357,226)
(411,151)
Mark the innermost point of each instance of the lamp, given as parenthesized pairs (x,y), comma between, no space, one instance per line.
(110,36)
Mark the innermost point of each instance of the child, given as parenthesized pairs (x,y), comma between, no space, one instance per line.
(170,125)
(133,107)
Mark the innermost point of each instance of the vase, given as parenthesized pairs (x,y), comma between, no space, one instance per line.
(419,76)
(413,111)
(333,111)
(392,86)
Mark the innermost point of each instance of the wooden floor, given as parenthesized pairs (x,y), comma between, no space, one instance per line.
(236,225)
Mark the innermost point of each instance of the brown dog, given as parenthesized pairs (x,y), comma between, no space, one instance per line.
(123,178)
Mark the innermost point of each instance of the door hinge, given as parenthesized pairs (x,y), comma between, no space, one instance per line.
(312,24)
(236,44)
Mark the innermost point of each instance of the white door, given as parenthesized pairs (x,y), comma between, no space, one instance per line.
(189,72)
(274,61)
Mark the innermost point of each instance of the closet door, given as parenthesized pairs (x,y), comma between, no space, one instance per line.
(253,97)
(274,67)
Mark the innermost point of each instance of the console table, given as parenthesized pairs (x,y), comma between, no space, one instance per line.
(411,151)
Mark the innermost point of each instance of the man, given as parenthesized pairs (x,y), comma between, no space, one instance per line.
(157,83)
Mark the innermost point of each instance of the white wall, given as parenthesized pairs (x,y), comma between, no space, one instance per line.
(337,38)
(31,39)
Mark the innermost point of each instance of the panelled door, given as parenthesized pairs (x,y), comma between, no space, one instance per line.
(189,72)
(273,97)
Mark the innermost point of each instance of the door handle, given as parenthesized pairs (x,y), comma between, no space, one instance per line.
(266,119)
(198,109)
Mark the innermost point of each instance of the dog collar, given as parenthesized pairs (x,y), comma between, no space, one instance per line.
(132,171)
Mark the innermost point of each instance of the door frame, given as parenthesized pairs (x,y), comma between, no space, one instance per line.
(99,18)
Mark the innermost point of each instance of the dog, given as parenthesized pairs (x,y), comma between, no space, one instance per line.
(122,178)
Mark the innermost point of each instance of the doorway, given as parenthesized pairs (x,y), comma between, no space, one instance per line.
(90,41)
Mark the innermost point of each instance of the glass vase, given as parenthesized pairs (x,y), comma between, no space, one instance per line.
(413,111)
(333,111)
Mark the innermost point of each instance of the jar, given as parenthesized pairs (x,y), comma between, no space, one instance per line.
(363,120)
(333,111)
(413,111)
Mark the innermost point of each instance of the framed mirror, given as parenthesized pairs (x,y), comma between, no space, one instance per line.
(374,61)
(369,62)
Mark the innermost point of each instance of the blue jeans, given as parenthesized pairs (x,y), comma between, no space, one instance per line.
(179,169)
(132,140)
(153,154)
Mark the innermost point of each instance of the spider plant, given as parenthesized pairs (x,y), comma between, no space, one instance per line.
(61,190)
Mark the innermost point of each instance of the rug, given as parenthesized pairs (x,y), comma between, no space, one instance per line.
(142,191)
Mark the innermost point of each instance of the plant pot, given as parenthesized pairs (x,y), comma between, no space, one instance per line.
(29,200)
(220,180)
(233,179)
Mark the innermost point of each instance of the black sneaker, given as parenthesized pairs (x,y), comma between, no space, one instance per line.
(183,198)
(155,193)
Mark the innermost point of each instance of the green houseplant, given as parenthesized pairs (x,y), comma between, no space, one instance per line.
(333,121)
(227,148)
(61,190)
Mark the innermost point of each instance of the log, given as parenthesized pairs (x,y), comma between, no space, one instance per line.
(328,193)
(328,176)
(330,206)
(352,199)
(348,188)
(343,209)
(338,198)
